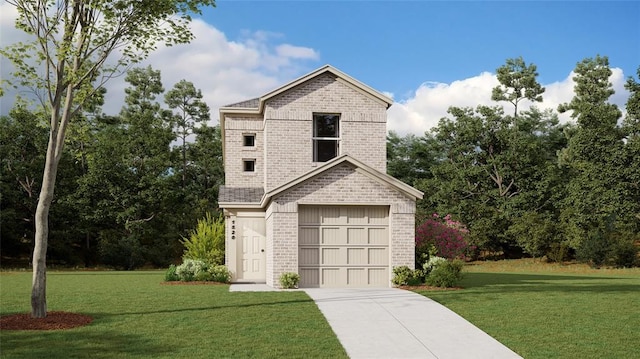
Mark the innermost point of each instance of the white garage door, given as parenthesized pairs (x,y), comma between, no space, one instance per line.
(343,246)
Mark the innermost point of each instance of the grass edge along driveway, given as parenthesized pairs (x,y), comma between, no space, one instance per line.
(136,316)
(551,311)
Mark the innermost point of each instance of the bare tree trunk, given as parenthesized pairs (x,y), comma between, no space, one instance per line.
(39,282)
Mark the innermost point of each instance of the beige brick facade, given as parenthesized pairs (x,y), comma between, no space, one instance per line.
(286,174)
(342,185)
(289,127)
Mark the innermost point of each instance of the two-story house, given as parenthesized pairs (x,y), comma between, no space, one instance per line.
(306,188)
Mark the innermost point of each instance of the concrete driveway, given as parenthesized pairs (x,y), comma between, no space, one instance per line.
(395,323)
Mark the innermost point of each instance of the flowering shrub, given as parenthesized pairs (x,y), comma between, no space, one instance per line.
(289,280)
(404,275)
(191,269)
(447,236)
(432,263)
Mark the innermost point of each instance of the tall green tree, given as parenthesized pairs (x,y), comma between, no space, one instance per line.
(22,135)
(518,81)
(593,155)
(631,167)
(409,158)
(189,111)
(129,173)
(67,60)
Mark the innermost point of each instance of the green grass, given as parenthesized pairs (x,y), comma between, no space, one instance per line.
(551,311)
(137,317)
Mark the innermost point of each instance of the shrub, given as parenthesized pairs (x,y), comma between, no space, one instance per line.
(432,263)
(447,236)
(404,275)
(220,273)
(191,269)
(446,275)
(206,242)
(558,252)
(594,250)
(624,254)
(171,275)
(289,280)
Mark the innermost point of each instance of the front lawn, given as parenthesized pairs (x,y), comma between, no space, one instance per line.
(551,311)
(135,316)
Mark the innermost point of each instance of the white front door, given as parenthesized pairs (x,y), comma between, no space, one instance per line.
(251,251)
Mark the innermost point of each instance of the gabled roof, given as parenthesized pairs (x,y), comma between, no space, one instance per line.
(252,107)
(370,172)
(360,167)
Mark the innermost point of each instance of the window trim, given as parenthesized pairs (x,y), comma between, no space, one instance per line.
(244,140)
(314,138)
(245,162)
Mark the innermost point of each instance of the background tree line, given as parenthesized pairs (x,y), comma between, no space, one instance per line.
(129,186)
(525,184)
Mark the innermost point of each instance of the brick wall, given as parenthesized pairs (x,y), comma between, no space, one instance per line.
(236,152)
(289,127)
(340,185)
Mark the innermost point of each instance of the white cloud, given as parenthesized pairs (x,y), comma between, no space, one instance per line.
(226,71)
(422,111)
(297,52)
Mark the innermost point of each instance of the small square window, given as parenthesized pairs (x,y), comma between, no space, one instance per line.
(249,140)
(249,165)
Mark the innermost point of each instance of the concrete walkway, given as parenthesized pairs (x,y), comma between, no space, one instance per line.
(394,323)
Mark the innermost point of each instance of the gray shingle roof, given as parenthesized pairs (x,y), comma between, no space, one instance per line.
(253,103)
(240,194)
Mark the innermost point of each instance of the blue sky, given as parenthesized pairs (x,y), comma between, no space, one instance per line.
(396,46)
(428,55)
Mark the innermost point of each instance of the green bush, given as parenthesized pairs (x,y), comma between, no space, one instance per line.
(191,269)
(446,275)
(404,275)
(220,273)
(171,275)
(433,262)
(624,254)
(289,280)
(206,242)
(594,250)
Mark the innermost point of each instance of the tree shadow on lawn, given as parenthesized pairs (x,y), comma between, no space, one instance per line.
(99,316)
(515,282)
(78,344)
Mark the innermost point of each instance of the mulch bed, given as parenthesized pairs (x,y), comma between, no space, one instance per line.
(427,287)
(195,282)
(53,321)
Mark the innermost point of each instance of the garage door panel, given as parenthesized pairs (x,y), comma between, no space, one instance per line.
(309,256)
(378,256)
(332,256)
(357,236)
(332,235)
(378,236)
(378,277)
(309,236)
(309,277)
(356,276)
(310,215)
(378,215)
(356,215)
(331,215)
(357,256)
(331,277)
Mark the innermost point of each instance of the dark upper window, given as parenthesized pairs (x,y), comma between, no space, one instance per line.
(249,140)
(249,165)
(326,136)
